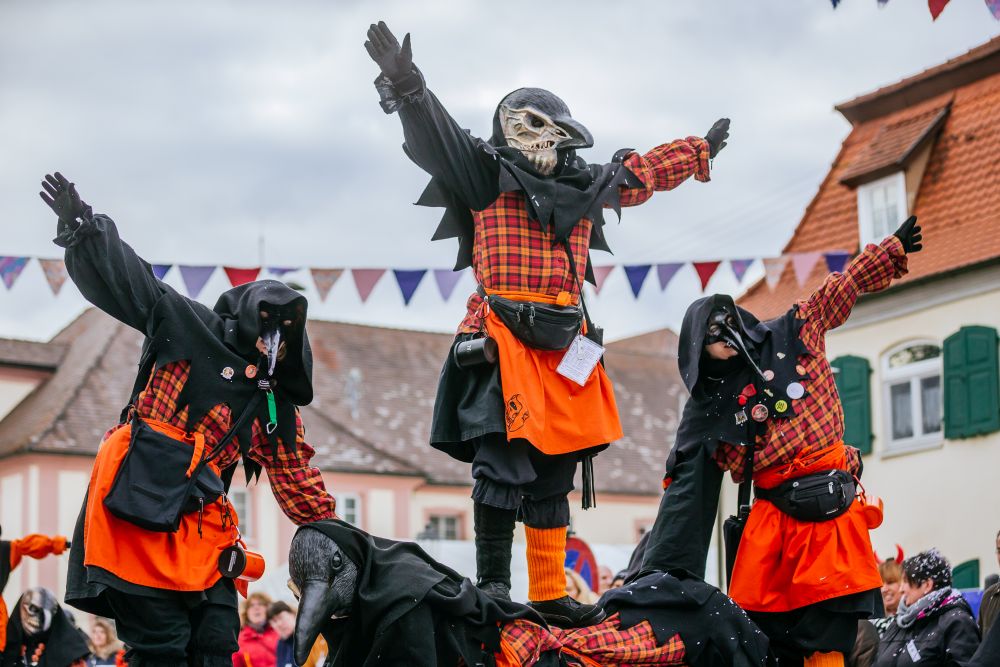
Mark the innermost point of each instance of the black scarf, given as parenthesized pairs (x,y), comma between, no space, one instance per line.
(222,342)
(714,413)
(64,642)
(407,604)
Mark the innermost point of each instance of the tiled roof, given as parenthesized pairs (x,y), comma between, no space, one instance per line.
(958,200)
(374,393)
(29,354)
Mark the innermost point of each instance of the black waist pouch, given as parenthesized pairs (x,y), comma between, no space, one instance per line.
(821,496)
(152,489)
(539,325)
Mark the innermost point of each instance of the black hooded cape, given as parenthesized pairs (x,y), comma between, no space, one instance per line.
(64,642)
(217,343)
(468,174)
(715,631)
(411,610)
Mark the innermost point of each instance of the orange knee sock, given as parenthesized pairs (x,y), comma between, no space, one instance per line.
(546,563)
(832,659)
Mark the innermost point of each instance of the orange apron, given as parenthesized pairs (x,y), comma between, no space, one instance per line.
(784,564)
(552,412)
(179,561)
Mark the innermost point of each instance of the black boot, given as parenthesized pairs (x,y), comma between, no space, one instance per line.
(494,536)
(568,613)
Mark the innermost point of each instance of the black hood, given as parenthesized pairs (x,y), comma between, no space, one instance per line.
(64,642)
(692,338)
(552,106)
(240,309)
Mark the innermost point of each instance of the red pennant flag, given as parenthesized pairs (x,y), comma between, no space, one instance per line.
(325,279)
(55,273)
(600,275)
(705,271)
(365,280)
(936,7)
(239,277)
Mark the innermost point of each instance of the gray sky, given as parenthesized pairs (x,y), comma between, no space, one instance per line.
(201,127)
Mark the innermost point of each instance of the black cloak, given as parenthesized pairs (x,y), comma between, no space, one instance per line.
(468,174)
(715,631)
(219,343)
(411,610)
(64,642)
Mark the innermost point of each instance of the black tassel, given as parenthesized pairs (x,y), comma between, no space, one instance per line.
(589,493)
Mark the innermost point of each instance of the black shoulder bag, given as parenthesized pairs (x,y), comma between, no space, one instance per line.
(732,529)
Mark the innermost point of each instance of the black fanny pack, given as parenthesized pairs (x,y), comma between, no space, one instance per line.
(821,496)
(539,325)
(152,488)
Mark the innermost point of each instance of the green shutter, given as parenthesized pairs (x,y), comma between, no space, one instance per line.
(852,378)
(971,384)
(966,575)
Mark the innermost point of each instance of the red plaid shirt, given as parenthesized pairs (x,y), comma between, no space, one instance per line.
(297,486)
(601,644)
(512,253)
(820,419)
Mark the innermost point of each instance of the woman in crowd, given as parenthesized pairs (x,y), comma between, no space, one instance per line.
(258,640)
(578,589)
(104,645)
(933,625)
(891,571)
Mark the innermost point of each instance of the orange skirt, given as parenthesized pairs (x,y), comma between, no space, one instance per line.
(784,564)
(181,561)
(555,414)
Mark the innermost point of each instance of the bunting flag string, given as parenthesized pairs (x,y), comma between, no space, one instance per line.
(937,6)
(195,277)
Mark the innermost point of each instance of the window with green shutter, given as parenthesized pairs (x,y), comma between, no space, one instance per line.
(966,575)
(852,378)
(972,387)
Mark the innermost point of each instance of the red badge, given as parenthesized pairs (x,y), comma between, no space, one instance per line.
(251,371)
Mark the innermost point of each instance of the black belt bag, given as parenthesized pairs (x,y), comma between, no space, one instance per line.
(539,325)
(821,496)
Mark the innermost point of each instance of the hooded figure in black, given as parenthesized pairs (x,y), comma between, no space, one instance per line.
(226,382)
(526,211)
(41,633)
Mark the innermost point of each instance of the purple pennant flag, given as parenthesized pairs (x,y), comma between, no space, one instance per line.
(836,260)
(160,270)
(803,264)
(280,270)
(195,277)
(666,272)
(994,6)
(408,281)
(365,280)
(739,267)
(637,276)
(446,281)
(10,269)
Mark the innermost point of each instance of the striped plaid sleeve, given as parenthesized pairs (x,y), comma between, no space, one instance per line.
(870,271)
(297,486)
(665,167)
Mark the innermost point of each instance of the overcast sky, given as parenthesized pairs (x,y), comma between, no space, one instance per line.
(203,127)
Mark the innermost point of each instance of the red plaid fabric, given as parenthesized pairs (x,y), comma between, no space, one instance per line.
(298,487)
(601,644)
(512,253)
(820,420)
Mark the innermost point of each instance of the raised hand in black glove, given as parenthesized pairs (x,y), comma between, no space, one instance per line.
(909,235)
(62,198)
(716,137)
(383,47)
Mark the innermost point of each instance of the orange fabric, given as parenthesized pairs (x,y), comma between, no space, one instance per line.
(179,561)
(546,563)
(784,564)
(36,546)
(831,659)
(3,624)
(552,412)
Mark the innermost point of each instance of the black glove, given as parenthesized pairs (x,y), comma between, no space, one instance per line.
(395,62)
(716,137)
(62,198)
(909,235)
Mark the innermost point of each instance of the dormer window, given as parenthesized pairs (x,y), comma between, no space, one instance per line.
(881,207)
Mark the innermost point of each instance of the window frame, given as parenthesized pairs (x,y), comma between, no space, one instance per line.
(244,520)
(866,232)
(914,372)
(342,496)
(441,517)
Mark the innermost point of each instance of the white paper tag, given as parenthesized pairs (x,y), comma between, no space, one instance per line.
(911,648)
(580,359)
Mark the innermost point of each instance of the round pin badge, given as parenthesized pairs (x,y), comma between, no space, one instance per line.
(795,391)
(759,412)
(251,371)
(800,369)
(780,406)
(228,372)
(768,375)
